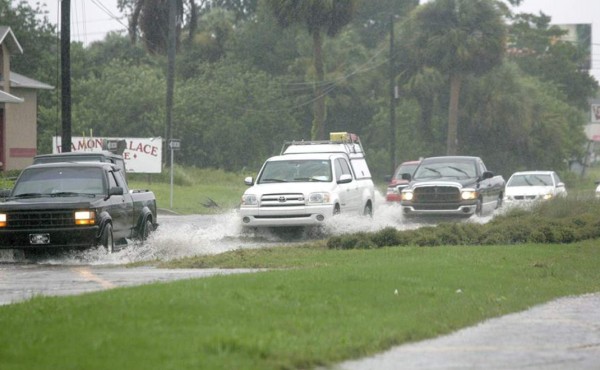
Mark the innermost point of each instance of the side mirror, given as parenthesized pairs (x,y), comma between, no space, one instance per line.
(406,176)
(487,175)
(4,193)
(345,178)
(115,190)
(388,178)
(249,181)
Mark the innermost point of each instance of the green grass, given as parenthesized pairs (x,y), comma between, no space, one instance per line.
(315,307)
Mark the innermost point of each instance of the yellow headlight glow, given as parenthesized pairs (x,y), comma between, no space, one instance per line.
(85,218)
(2,219)
(407,195)
(469,194)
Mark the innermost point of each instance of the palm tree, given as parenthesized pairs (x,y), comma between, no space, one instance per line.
(150,18)
(319,16)
(457,37)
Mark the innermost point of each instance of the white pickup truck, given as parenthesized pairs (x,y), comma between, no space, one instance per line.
(309,182)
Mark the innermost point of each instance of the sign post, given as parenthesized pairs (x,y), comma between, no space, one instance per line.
(174,144)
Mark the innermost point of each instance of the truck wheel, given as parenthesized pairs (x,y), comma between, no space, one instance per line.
(368,210)
(107,238)
(147,229)
(479,208)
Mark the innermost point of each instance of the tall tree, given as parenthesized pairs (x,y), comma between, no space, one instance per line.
(319,16)
(457,37)
(151,19)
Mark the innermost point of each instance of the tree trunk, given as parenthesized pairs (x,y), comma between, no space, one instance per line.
(452,143)
(318,127)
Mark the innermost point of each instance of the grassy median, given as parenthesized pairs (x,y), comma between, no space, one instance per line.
(316,306)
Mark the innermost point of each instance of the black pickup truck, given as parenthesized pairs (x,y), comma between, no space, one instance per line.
(452,186)
(74,205)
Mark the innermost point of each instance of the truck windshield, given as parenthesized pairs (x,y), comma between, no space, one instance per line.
(445,169)
(296,171)
(60,181)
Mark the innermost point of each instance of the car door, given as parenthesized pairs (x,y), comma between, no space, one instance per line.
(121,206)
(489,191)
(348,192)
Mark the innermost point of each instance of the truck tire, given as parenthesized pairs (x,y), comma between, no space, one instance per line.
(368,210)
(147,229)
(479,208)
(106,239)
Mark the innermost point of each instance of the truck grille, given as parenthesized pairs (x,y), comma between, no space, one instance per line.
(436,195)
(40,219)
(282,200)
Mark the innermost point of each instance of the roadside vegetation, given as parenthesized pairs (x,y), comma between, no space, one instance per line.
(243,86)
(248,78)
(316,304)
(315,307)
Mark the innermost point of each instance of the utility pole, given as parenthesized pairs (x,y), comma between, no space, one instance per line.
(65,68)
(392,79)
(171,51)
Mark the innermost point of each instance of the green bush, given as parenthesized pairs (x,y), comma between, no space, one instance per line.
(557,221)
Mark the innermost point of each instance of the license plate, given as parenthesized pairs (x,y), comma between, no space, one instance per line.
(39,238)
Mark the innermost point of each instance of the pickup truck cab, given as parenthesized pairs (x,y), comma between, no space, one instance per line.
(103,156)
(309,182)
(452,186)
(74,205)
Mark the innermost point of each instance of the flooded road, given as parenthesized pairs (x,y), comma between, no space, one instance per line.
(178,236)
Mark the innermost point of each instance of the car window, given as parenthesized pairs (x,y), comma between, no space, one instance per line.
(341,168)
(530,180)
(296,171)
(61,180)
(405,168)
(445,169)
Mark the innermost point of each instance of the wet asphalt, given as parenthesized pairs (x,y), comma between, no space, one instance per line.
(561,334)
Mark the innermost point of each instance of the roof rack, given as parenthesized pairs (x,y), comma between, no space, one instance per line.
(351,142)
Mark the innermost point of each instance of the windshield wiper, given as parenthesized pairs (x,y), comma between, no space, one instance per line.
(30,195)
(438,173)
(459,170)
(72,194)
(273,180)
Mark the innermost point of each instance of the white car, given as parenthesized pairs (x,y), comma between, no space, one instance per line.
(308,183)
(530,186)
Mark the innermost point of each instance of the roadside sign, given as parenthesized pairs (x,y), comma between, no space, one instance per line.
(175,144)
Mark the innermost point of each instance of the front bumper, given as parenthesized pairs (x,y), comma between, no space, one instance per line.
(459,210)
(290,216)
(75,237)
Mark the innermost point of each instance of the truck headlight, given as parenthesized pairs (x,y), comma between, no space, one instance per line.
(85,218)
(249,200)
(547,196)
(319,198)
(469,194)
(2,219)
(407,195)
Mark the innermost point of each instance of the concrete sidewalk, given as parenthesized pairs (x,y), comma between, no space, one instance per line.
(562,334)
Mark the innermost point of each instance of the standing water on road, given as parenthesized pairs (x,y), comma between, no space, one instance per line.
(189,235)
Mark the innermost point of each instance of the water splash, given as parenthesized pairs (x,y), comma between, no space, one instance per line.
(183,236)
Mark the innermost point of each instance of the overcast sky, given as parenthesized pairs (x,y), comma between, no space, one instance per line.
(91,20)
